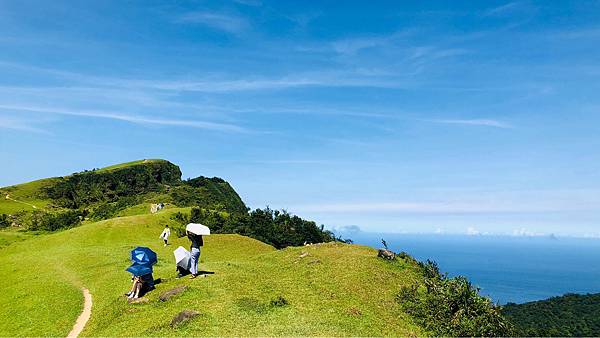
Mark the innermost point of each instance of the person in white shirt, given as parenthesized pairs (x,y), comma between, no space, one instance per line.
(165,235)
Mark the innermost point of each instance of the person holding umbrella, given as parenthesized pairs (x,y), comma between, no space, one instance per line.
(194,233)
(142,259)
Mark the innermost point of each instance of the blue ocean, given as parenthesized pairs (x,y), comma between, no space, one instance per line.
(507,269)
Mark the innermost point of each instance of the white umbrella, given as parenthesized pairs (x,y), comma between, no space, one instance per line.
(182,257)
(198,229)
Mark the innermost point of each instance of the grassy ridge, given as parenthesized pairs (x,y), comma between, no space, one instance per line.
(332,289)
(25,196)
(128,164)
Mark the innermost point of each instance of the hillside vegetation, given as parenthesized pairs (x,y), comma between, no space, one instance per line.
(77,231)
(129,189)
(330,289)
(570,315)
(104,193)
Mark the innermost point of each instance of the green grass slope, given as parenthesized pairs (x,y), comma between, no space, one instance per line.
(23,197)
(111,189)
(26,196)
(129,164)
(332,289)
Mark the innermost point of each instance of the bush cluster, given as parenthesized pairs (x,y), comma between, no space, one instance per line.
(47,221)
(109,210)
(213,193)
(571,315)
(274,227)
(86,188)
(452,306)
(4,221)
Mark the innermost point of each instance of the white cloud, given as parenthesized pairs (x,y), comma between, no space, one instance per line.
(254,3)
(352,46)
(218,21)
(20,125)
(475,122)
(137,119)
(522,232)
(471,231)
(503,9)
(481,205)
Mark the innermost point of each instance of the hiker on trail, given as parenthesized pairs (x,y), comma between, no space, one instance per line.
(165,235)
(197,242)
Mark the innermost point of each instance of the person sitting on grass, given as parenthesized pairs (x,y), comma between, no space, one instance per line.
(141,285)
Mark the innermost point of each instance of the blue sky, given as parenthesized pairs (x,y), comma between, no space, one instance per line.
(400,116)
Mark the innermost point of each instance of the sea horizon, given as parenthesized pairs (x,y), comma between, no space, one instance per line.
(506,268)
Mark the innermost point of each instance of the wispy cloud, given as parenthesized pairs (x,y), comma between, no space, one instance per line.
(254,3)
(475,122)
(352,46)
(20,125)
(444,207)
(137,119)
(504,9)
(219,21)
(579,33)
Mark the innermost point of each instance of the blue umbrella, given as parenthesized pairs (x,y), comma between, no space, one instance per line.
(143,255)
(139,269)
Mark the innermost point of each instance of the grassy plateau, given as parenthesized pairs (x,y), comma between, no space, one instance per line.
(331,289)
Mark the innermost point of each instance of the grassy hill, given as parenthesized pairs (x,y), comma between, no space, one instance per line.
(25,197)
(32,195)
(570,315)
(76,232)
(332,289)
(106,192)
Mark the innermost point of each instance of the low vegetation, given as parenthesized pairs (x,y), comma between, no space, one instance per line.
(89,187)
(452,306)
(316,284)
(104,193)
(255,290)
(277,228)
(570,315)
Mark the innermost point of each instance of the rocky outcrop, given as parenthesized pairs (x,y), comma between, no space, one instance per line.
(386,254)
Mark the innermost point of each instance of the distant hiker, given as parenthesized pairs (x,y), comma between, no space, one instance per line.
(197,242)
(165,235)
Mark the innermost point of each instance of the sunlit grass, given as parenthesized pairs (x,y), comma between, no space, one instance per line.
(331,289)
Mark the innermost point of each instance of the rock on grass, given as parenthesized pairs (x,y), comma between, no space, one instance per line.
(183,317)
(165,296)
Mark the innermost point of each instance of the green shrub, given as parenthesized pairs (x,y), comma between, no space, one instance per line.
(40,220)
(279,302)
(207,193)
(4,221)
(274,227)
(87,188)
(180,221)
(452,306)
(570,315)
(109,210)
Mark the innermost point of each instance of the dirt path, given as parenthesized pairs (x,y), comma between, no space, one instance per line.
(84,316)
(14,200)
